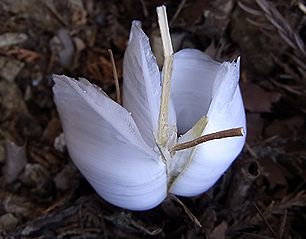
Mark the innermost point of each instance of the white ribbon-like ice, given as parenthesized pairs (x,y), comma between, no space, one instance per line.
(115,148)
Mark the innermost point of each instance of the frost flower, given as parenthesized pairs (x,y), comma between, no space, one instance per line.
(132,160)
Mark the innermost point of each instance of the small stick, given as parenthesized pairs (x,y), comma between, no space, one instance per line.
(162,136)
(178,11)
(266,222)
(144,8)
(55,14)
(218,135)
(187,211)
(118,95)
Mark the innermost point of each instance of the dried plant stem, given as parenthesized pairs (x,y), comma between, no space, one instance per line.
(187,211)
(55,14)
(266,222)
(178,11)
(218,135)
(289,35)
(118,94)
(162,136)
(302,7)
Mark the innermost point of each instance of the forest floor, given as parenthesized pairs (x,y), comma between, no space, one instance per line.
(42,195)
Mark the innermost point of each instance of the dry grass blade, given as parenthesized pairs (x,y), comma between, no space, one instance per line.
(187,211)
(178,11)
(266,222)
(56,14)
(302,7)
(118,94)
(264,26)
(249,9)
(283,224)
(278,21)
(284,29)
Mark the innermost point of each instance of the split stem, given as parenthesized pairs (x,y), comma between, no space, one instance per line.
(162,136)
(217,135)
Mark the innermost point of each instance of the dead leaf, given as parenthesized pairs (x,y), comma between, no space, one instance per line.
(219,231)
(79,47)
(8,222)
(217,16)
(285,128)
(33,10)
(12,38)
(60,143)
(15,161)
(12,104)
(67,178)
(79,13)
(38,178)
(62,46)
(208,218)
(2,151)
(19,206)
(52,130)
(255,125)
(193,12)
(274,173)
(10,68)
(24,54)
(257,99)
(100,68)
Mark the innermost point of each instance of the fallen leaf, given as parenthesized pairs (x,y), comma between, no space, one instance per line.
(15,162)
(62,46)
(79,14)
(274,172)
(66,179)
(12,38)
(10,68)
(257,99)
(285,128)
(8,222)
(23,54)
(219,231)
(38,178)
(2,151)
(52,130)
(255,125)
(19,206)
(79,46)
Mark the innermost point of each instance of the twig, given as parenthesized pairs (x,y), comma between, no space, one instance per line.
(253,235)
(266,222)
(178,11)
(283,224)
(144,8)
(278,22)
(218,135)
(281,24)
(162,136)
(187,211)
(245,173)
(55,14)
(249,9)
(118,95)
